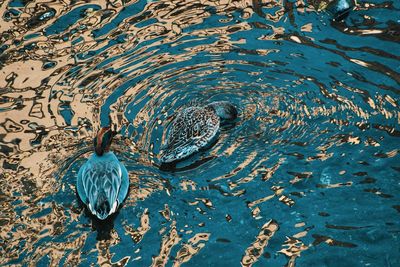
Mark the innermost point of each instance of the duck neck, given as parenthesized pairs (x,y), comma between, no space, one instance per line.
(102,142)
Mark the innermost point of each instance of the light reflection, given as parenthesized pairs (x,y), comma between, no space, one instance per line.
(141,61)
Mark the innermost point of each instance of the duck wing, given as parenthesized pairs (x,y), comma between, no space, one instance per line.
(100,178)
(191,130)
(123,191)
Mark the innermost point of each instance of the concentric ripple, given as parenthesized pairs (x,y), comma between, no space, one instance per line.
(308,169)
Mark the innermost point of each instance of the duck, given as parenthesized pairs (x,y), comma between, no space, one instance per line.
(195,128)
(103,181)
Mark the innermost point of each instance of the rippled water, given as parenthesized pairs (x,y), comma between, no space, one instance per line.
(307,176)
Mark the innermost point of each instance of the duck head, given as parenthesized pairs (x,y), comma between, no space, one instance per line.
(224,109)
(102,141)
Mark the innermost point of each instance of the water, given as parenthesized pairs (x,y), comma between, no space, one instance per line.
(307,176)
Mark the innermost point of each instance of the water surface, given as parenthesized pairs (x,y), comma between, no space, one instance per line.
(308,175)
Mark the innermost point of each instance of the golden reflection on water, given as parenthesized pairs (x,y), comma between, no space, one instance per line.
(36,140)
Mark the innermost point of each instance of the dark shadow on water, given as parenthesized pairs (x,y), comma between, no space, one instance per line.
(174,166)
(103,227)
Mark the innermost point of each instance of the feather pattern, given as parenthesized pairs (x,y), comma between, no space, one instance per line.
(103,184)
(194,128)
(191,130)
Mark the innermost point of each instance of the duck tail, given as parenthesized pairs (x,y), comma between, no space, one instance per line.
(102,206)
(224,109)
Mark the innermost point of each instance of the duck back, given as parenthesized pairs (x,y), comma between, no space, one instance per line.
(103,184)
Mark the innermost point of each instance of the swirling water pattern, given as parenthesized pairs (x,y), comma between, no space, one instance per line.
(308,175)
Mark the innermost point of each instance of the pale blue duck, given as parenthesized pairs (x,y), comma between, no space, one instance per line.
(103,181)
(194,128)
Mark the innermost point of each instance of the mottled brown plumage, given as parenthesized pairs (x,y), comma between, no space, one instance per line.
(194,128)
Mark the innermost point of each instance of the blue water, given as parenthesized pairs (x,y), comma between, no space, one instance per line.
(307,176)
